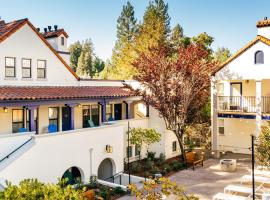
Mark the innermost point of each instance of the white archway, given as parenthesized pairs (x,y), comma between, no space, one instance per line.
(106,169)
(74,175)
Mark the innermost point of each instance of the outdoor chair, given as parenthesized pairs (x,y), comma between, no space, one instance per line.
(263,173)
(193,160)
(52,128)
(91,123)
(22,130)
(223,196)
(258,179)
(237,189)
(110,119)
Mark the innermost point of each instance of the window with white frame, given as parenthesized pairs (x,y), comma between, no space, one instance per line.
(174,146)
(26,68)
(221,130)
(41,69)
(10,67)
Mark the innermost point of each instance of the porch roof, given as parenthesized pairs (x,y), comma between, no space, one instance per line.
(61,92)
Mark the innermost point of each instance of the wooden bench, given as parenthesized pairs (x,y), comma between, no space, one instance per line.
(193,160)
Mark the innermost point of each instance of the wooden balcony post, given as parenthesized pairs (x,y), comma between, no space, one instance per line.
(258,106)
(128,109)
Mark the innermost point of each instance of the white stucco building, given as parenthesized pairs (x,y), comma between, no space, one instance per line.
(241,94)
(52,122)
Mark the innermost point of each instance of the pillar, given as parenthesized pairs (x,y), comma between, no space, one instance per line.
(214,118)
(128,109)
(258,107)
(103,110)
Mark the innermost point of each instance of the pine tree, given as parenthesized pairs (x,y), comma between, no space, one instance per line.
(85,62)
(155,29)
(177,36)
(123,52)
(222,54)
(75,50)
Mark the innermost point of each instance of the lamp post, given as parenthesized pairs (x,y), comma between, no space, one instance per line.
(253,164)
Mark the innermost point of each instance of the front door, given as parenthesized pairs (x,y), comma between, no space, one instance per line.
(66,118)
(118,111)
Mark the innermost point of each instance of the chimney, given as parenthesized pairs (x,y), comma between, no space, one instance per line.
(50,28)
(45,30)
(2,22)
(38,29)
(263,27)
(55,27)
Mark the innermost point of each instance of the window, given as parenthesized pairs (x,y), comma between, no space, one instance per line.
(220,89)
(137,150)
(17,120)
(26,68)
(90,113)
(259,57)
(221,129)
(62,41)
(41,69)
(10,67)
(108,112)
(129,151)
(53,116)
(174,146)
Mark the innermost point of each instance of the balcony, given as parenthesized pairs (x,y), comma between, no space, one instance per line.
(242,104)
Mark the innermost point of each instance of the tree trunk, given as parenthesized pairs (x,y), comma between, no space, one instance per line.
(181,145)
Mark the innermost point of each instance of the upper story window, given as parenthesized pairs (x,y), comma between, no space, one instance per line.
(26,68)
(259,57)
(10,64)
(109,112)
(62,41)
(174,146)
(41,69)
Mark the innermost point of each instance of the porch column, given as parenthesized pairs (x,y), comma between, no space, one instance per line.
(214,118)
(32,125)
(128,109)
(258,107)
(103,110)
(72,107)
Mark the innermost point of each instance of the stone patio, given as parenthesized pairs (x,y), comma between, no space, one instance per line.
(208,180)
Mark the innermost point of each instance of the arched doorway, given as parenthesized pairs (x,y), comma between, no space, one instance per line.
(105,170)
(73,174)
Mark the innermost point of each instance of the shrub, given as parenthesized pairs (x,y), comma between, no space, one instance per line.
(151,155)
(33,189)
(166,169)
(161,159)
(118,190)
(262,148)
(176,165)
(149,164)
(136,167)
(155,170)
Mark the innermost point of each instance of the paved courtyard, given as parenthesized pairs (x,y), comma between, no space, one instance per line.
(208,180)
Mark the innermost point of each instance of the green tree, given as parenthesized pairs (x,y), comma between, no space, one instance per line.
(75,50)
(85,62)
(205,40)
(140,137)
(155,28)
(177,37)
(98,66)
(262,148)
(222,54)
(123,52)
(32,189)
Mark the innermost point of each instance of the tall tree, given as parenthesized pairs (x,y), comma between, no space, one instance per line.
(177,36)
(98,66)
(204,40)
(175,87)
(155,28)
(222,54)
(123,52)
(75,50)
(85,62)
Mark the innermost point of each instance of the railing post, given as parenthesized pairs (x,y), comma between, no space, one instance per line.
(258,106)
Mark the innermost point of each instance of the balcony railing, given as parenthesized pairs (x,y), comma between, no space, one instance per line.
(242,104)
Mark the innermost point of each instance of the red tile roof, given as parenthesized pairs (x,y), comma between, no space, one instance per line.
(54,33)
(6,29)
(263,23)
(61,92)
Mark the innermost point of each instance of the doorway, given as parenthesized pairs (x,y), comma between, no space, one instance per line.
(118,111)
(66,118)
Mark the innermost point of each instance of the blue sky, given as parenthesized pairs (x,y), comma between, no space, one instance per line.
(231,22)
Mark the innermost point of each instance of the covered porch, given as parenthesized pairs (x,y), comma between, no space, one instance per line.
(63,111)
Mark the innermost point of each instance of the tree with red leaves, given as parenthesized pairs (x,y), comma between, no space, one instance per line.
(176,87)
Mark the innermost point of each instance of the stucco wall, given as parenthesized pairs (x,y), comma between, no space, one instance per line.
(49,156)
(24,43)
